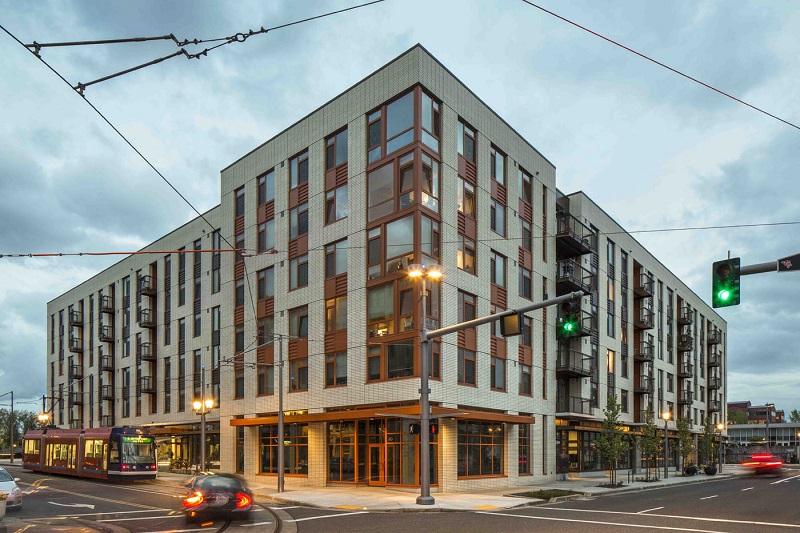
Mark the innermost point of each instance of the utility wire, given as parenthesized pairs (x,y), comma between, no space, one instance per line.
(643,56)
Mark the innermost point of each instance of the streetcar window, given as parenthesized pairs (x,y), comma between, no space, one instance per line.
(114,454)
(31,446)
(138,450)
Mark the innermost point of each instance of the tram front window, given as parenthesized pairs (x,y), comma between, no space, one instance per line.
(138,450)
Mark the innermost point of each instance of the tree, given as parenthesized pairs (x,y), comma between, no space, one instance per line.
(612,442)
(706,444)
(794,416)
(650,442)
(737,416)
(685,440)
(23,421)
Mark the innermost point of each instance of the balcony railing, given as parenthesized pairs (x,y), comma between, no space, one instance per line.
(685,342)
(713,406)
(644,318)
(75,423)
(146,385)
(573,238)
(644,351)
(571,276)
(685,397)
(714,382)
(686,370)
(76,319)
(106,334)
(573,404)
(107,393)
(147,285)
(147,352)
(685,315)
(147,318)
(644,385)
(107,304)
(644,285)
(642,415)
(75,372)
(106,421)
(75,344)
(714,337)
(76,398)
(107,363)
(714,359)
(573,363)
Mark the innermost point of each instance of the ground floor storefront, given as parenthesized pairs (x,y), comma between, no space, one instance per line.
(178,446)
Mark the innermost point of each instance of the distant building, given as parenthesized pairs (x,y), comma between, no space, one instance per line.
(407,166)
(758,414)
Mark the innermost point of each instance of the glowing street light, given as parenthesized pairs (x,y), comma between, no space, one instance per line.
(666,416)
(201,407)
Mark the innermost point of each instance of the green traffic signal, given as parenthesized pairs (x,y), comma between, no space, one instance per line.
(725,277)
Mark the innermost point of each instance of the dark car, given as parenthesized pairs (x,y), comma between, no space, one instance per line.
(217,494)
(764,463)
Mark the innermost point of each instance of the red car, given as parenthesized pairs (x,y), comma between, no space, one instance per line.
(763,463)
(219,494)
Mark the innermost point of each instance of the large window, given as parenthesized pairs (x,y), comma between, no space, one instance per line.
(265,328)
(400,243)
(336,207)
(389,192)
(298,221)
(298,169)
(466,141)
(525,186)
(497,215)
(298,322)
(400,359)
(298,272)
(239,202)
(399,130)
(430,122)
(380,310)
(497,166)
(525,458)
(239,292)
(498,374)
(497,265)
(430,237)
(336,369)
(265,380)
(266,187)
(298,374)
(335,314)
(266,236)
(342,451)
(430,183)
(266,283)
(295,452)
(525,283)
(466,366)
(336,258)
(466,254)
(336,150)
(480,448)
(525,382)
(466,198)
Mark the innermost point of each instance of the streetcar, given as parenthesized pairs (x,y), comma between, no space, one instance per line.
(114,454)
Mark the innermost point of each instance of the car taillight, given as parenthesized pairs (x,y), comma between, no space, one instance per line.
(125,467)
(243,500)
(194,500)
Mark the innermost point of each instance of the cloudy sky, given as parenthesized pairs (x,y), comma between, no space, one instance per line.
(652,148)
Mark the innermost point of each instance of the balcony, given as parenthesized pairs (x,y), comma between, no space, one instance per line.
(713,406)
(107,393)
(573,405)
(107,363)
(685,342)
(76,398)
(572,237)
(147,285)
(76,319)
(146,385)
(147,319)
(573,363)
(147,352)
(714,337)
(686,370)
(714,382)
(571,276)
(644,318)
(75,423)
(685,315)
(644,351)
(685,397)
(107,304)
(644,385)
(106,334)
(643,414)
(714,359)
(644,286)
(106,421)
(75,372)
(75,344)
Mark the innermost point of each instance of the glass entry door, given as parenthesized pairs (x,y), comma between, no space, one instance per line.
(377,472)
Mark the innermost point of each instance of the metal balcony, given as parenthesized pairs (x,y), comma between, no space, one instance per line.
(75,372)
(571,276)
(713,406)
(572,237)
(644,385)
(107,393)
(644,286)
(146,385)
(573,405)
(76,398)
(147,352)
(685,315)
(642,416)
(644,318)
(685,397)
(107,304)
(686,370)
(714,337)
(573,363)
(644,351)
(685,342)
(75,423)
(714,382)
(75,344)
(714,359)
(76,319)
(106,334)
(147,318)
(147,285)
(107,363)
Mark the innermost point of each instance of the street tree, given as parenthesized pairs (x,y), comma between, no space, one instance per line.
(685,440)
(23,421)
(650,442)
(737,416)
(794,416)
(612,442)
(706,444)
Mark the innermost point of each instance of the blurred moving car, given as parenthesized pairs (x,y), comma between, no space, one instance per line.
(217,494)
(763,463)
(8,485)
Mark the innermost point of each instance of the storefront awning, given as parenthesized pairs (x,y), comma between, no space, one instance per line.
(383,412)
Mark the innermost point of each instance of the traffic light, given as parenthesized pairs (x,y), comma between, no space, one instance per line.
(725,283)
(569,320)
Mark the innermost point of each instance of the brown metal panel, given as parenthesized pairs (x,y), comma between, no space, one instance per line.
(526,355)
(525,259)
(470,172)
(498,347)
(298,348)
(525,210)
(468,338)
(238,225)
(238,270)
(266,307)
(341,175)
(302,193)
(293,198)
(330,288)
(341,284)
(498,296)
(238,315)
(261,214)
(266,354)
(467,226)
(330,179)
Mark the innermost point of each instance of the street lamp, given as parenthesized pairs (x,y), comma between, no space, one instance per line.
(665,415)
(201,407)
(720,427)
(769,407)
(423,272)
(43,418)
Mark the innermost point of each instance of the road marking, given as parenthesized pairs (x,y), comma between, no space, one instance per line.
(784,480)
(701,519)
(288,507)
(748,488)
(709,497)
(648,510)
(87,505)
(329,516)
(112,512)
(255,524)
(179,530)
(619,524)
(129,504)
(138,518)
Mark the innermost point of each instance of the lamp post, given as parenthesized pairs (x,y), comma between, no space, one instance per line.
(666,415)
(201,407)
(769,407)
(424,272)
(720,427)
(13,427)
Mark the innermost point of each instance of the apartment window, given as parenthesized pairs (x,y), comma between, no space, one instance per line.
(298,169)
(298,272)
(544,223)
(336,369)
(239,245)
(497,166)
(266,330)
(399,243)
(498,217)
(266,187)
(181,383)
(430,183)
(239,202)
(298,322)
(336,150)
(670,379)
(239,292)
(387,192)
(527,234)
(524,447)
(525,283)
(525,380)
(298,374)
(624,400)
(466,366)
(430,122)
(466,198)
(465,137)
(430,237)
(265,380)
(216,244)
(467,306)
(497,265)
(380,310)
(298,221)
(336,207)
(167,385)
(498,374)
(336,258)
(335,314)
(373,363)
(266,283)
(238,339)
(525,186)
(198,324)
(238,384)
(266,236)
(526,338)
(481,448)
(126,394)
(400,359)
(466,254)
